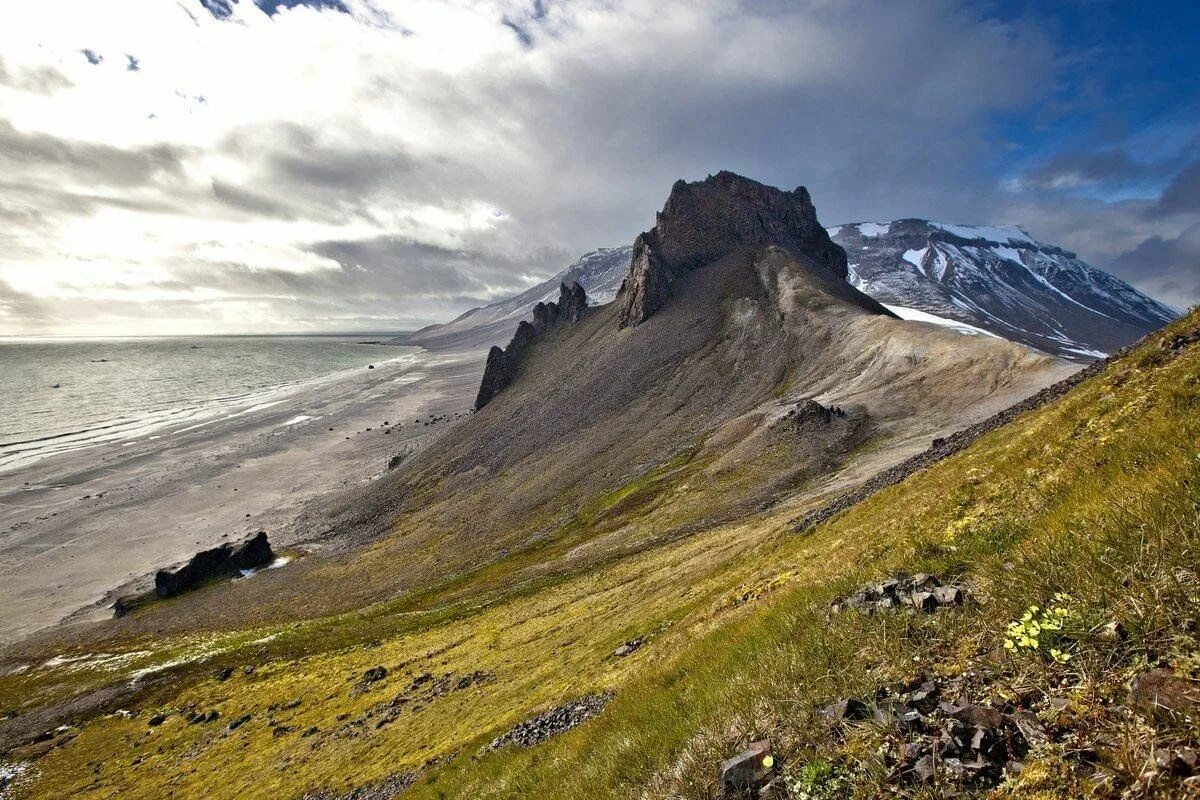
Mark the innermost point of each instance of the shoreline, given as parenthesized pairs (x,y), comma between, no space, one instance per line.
(78,528)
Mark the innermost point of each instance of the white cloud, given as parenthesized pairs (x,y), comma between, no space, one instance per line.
(428,139)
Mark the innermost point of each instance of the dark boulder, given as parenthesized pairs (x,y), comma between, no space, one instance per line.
(218,562)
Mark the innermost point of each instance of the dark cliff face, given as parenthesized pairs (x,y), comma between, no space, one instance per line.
(705,220)
(503,364)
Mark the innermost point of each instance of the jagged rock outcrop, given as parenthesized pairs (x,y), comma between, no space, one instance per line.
(705,220)
(502,364)
(219,562)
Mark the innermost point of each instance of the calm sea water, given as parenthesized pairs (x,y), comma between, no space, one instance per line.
(63,394)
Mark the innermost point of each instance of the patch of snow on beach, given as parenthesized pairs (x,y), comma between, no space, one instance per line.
(296,420)
(281,561)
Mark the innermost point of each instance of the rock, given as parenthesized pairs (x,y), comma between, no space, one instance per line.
(239,722)
(218,562)
(370,366)
(1162,693)
(924,694)
(225,674)
(705,220)
(1030,727)
(395,461)
(375,674)
(1112,632)
(979,716)
(923,601)
(1178,761)
(948,596)
(503,363)
(921,582)
(749,770)
(807,413)
(550,723)
(156,720)
(922,592)
(627,648)
(925,770)
(845,709)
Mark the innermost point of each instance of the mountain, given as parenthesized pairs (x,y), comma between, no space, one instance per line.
(599,272)
(753,369)
(1000,280)
(628,484)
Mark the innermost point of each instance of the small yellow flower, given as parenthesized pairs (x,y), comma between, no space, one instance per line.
(768,761)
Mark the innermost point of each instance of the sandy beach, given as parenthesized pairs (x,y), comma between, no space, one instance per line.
(79,528)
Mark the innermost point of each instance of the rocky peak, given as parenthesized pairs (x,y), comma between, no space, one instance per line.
(705,220)
(503,364)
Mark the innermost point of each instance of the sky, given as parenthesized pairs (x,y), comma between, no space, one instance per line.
(235,166)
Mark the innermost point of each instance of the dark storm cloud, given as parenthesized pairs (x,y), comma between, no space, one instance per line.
(1183,194)
(1170,266)
(251,202)
(87,162)
(1086,168)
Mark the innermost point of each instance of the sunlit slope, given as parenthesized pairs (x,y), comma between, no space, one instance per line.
(1094,496)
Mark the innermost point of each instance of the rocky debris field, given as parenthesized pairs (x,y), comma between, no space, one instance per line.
(386,789)
(553,722)
(922,592)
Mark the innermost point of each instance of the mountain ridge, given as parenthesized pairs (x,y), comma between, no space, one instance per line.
(1000,279)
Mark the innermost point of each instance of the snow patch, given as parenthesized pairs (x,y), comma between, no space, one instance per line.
(1087,353)
(914,256)
(916,315)
(993,233)
(873,228)
(296,420)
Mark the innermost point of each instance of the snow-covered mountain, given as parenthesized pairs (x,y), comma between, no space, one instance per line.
(1000,280)
(600,272)
(980,280)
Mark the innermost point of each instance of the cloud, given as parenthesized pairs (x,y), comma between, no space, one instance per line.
(40,79)
(1183,194)
(1170,266)
(393,162)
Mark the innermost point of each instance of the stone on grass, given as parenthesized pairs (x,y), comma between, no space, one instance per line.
(749,770)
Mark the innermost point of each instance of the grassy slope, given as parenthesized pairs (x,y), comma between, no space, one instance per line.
(1079,497)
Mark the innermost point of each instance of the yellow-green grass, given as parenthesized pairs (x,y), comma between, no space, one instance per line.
(1077,497)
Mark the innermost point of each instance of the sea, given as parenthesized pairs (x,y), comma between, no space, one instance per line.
(63,394)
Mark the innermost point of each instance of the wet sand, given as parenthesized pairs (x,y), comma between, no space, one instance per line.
(79,528)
